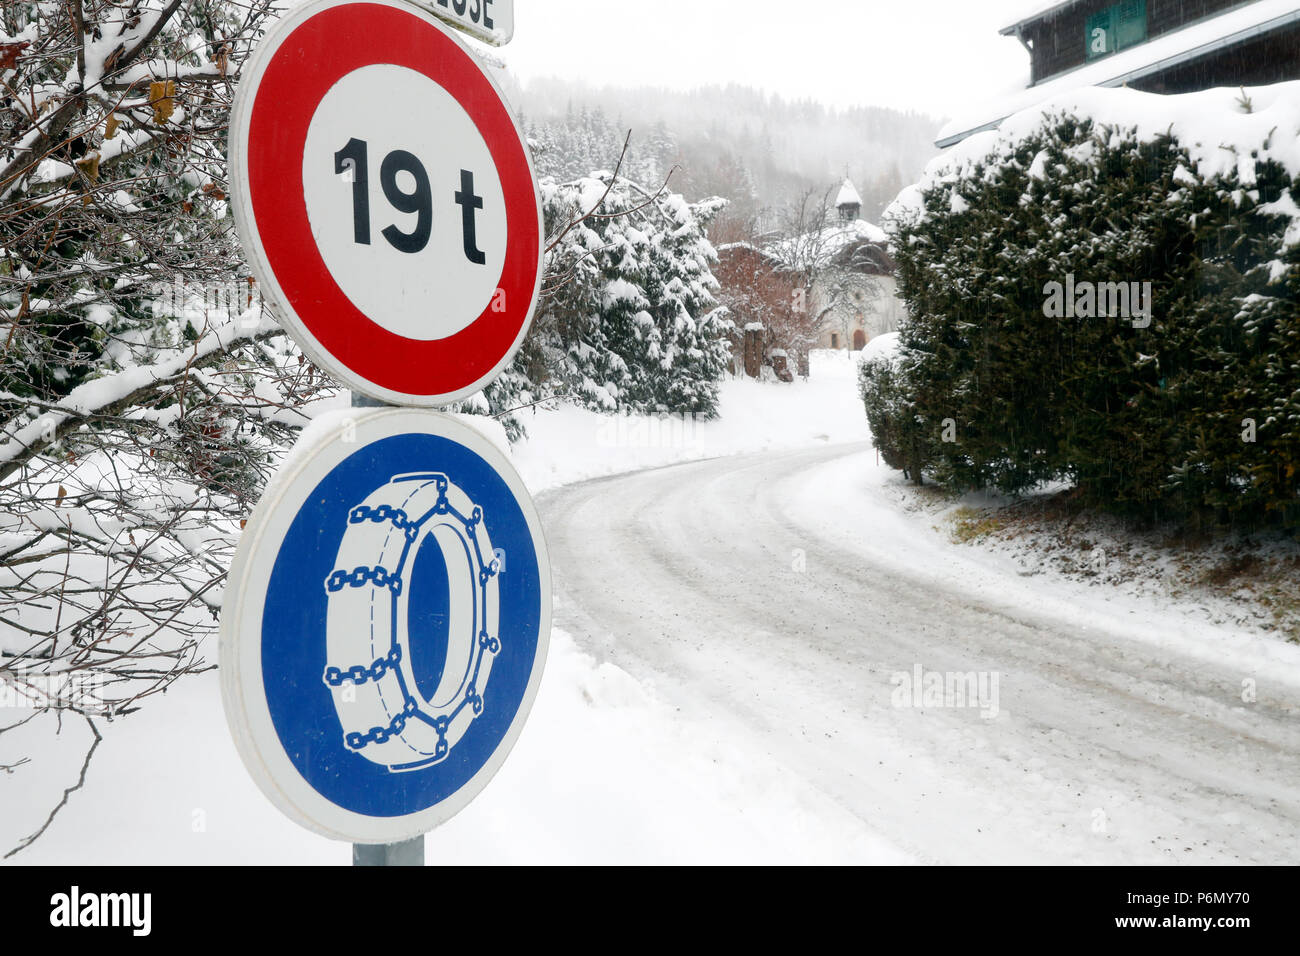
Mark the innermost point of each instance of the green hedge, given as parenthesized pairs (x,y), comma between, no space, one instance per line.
(1147,417)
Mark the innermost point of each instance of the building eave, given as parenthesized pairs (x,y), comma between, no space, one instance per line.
(1047,11)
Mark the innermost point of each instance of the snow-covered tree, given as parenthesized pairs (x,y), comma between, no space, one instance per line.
(141,399)
(584,140)
(1169,386)
(628,320)
(630,311)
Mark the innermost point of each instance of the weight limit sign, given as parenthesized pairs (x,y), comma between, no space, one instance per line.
(386,200)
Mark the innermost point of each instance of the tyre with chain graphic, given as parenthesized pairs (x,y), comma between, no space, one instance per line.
(384,714)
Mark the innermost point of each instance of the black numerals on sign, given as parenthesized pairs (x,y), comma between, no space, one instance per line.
(353,160)
(419,202)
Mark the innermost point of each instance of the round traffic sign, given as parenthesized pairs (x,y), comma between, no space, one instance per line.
(385,625)
(386,200)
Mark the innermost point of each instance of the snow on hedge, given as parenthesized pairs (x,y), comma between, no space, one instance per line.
(884,347)
(1223,131)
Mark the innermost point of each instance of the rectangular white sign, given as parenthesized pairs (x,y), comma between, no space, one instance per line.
(492,21)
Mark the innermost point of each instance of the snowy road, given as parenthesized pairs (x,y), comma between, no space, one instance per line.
(771,598)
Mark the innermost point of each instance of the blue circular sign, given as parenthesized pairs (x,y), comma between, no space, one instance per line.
(385,625)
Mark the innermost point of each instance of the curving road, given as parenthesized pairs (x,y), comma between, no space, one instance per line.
(780,600)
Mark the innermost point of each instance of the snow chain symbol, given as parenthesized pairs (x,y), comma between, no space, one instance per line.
(384,715)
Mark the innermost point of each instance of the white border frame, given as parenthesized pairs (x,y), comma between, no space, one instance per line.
(242,687)
(246,223)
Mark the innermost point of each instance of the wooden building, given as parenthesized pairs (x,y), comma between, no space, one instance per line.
(760,293)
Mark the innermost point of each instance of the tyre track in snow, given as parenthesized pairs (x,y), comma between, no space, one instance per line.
(1106,748)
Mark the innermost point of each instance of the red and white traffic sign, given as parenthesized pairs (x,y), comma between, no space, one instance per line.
(386,200)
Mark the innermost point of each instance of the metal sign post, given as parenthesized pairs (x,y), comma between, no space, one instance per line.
(408,852)
(387,615)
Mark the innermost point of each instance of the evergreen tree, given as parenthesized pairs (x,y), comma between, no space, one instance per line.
(628,321)
(1187,413)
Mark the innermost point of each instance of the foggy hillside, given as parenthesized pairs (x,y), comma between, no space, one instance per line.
(759,150)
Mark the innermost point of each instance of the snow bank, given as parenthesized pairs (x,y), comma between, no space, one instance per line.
(882,346)
(568,444)
(601,774)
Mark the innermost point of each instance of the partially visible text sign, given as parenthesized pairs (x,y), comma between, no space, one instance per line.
(492,21)
(1116,28)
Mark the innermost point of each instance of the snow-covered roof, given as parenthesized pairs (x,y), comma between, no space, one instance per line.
(832,240)
(848,196)
(1262,16)
(855,231)
(1037,10)
(743,246)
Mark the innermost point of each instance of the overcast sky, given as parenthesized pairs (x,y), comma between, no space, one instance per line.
(935,56)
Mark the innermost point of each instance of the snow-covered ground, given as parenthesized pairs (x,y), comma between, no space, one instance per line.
(569,444)
(705,702)
(785,605)
(601,772)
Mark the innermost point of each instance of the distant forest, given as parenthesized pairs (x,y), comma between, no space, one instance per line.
(760,151)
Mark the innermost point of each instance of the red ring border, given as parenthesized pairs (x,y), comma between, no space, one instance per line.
(315,55)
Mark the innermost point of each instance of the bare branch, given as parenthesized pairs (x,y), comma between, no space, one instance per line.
(603,196)
(63,801)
